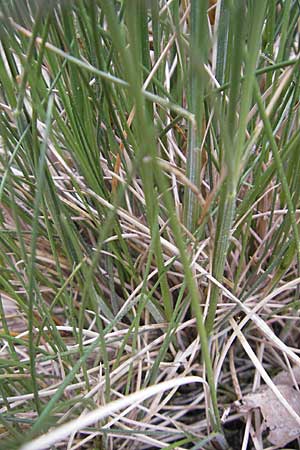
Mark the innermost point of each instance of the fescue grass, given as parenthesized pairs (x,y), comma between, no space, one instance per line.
(149,242)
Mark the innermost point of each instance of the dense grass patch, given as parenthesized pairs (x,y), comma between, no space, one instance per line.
(149,239)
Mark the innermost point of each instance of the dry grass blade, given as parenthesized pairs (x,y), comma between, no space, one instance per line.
(101,413)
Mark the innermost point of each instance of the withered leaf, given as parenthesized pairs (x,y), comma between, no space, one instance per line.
(284,377)
(283,427)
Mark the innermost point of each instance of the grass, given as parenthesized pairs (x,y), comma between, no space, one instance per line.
(149,242)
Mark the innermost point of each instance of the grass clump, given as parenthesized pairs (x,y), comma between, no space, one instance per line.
(149,242)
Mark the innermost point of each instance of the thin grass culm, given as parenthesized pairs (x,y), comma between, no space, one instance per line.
(149,224)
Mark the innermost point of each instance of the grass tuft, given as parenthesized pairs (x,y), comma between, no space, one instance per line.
(149,242)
